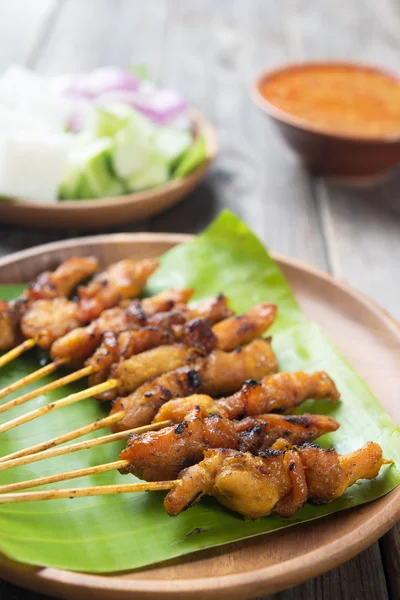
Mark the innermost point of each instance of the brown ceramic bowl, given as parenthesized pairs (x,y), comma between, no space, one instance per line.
(343,156)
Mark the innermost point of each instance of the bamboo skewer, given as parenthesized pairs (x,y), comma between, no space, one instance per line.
(46,370)
(66,437)
(97,490)
(99,441)
(54,385)
(118,464)
(17,351)
(71,399)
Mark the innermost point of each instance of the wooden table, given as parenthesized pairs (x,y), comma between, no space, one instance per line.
(211,51)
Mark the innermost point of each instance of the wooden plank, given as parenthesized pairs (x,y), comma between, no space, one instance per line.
(350,581)
(361,226)
(105,32)
(8,591)
(213,52)
(362,230)
(390,549)
(22,24)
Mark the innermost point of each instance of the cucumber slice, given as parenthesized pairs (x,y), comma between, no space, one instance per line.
(193,157)
(88,174)
(172,143)
(133,148)
(153,174)
(106,121)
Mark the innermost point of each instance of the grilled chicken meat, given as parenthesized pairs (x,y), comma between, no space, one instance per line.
(278,392)
(124,279)
(166,328)
(161,328)
(214,309)
(48,285)
(79,344)
(62,281)
(10,317)
(280,480)
(216,374)
(45,322)
(161,455)
(241,329)
(135,371)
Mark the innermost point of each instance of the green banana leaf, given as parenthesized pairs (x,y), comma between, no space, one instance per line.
(115,533)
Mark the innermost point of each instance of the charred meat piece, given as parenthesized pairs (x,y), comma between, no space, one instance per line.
(216,374)
(10,317)
(124,279)
(231,332)
(135,371)
(280,392)
(214,309)
(161,328)
(242,329)
(166,300)
(79,344)
(48,285)
(161,455)
(198,333)
(47,320)
(280,480)
(113,348)
(62,281)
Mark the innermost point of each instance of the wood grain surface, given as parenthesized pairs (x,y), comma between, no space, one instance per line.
(212,51)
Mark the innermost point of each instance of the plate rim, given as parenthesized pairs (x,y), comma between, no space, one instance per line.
(293,571)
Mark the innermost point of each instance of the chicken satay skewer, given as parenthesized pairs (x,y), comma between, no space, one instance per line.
(227,334)
(63,438)
(225,369)
(50,285)
(284,492)
(297,387)
(58,283)
(50,317)
(97,490)
(77,345)
(281,392)
(200,435)
(47,408)
(131,374)
(32,377)
(120,318)
(52,453)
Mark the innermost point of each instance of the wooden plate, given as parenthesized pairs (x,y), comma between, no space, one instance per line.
(105,212)
(367,336)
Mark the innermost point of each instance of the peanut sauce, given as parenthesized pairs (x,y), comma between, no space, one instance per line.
(339,99)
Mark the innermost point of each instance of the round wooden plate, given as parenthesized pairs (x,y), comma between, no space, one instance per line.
(105,212)
(365,334)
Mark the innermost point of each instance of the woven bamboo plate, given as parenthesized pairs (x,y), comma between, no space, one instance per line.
(106,212)
(366,335)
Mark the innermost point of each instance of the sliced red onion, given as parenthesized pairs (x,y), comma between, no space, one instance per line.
(108,79)
(79,115)
(161,107)
(72,85)
(91,85)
